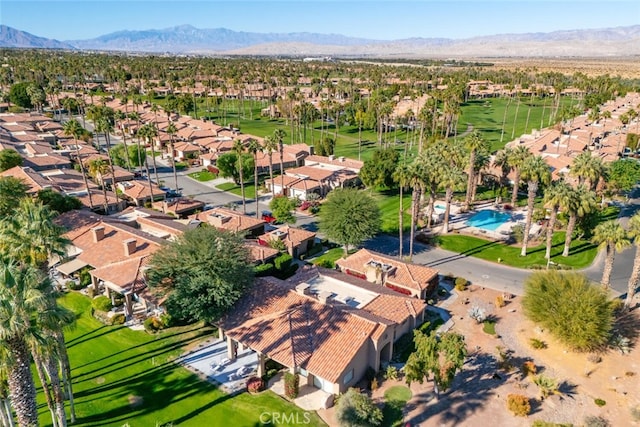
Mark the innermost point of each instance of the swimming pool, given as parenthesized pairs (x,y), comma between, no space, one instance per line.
(488,220)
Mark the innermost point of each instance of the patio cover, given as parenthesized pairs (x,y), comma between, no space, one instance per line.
(71,266)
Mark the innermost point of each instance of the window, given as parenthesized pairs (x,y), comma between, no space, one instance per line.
(348,377)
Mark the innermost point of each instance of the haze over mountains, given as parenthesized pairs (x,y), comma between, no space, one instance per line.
(186,39)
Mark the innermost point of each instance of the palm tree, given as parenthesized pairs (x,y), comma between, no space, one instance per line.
(414,180)
(587,168)
(120,116)
(634,233)
(99,167)
(171,131)
(580,201)
(401,176)
(103,124)
(254,148)
(278,136)
(239,148)
(270,145)
(474,143)
(535,171)
(554,197)
(501,160)
(450,178)
(611,236)
(517,158)
(73,128)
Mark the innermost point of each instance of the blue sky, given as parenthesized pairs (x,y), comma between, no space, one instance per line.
(375,19)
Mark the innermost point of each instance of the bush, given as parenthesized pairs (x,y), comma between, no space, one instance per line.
(499,301)
(391,373)
(635,413)
(118,319)
(255,385)
(91,292)
(291,385)
(540,423)
(519,405)
(599,402)
(374,384)
(461,284)
(153,324)
(326,263)
(537,344)
(73,285)
(357,409)
(576,312)
(593,421)
(263,270)
(283,262)
(477,314)
(529,368)
(102,303)
(270,374)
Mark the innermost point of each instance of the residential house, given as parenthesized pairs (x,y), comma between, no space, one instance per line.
(178,207)
(139,193)
(230,220)
(406,278)
(296,241)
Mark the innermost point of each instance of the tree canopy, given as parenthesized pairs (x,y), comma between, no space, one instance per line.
(227,164)
(204,272)
(18,95)
(282,208)
(378,172)
(575,311)
(349,216)
(356,409)
(624,174)
(9,158)
(137,155)
(11,191)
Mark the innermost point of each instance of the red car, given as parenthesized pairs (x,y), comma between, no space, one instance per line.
(268,216)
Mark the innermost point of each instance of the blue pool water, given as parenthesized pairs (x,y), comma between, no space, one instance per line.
(440,207)
(488,219)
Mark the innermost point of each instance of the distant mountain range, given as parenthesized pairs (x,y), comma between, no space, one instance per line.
(185,39)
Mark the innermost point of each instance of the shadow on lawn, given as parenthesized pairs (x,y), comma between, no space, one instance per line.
(90,335)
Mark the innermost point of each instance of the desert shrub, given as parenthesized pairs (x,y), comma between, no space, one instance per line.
(391,373)
(594,358)
(255,385)
(504,359)
(537,344)
(519,405)
(477,314)
(263,270)
(118,319)
(461,284)
(635,413)
(594,421)
(291,385)
(529,368)
(499,301)
(547,385)
(540,423)
(374,384)
(599,402)
(283,262)
(576,312)
(102,303)
(620,343)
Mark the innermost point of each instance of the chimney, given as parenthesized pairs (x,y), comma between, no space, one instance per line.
(325,297)
(129,246)
(303,289)
(98,233)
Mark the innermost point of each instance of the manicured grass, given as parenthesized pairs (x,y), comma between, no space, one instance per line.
(396,398)
(231,187)
(330,256)
(389,204)
(123,377)
(581,254)
(203,176)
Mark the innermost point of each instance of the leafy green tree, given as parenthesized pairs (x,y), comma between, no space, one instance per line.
(325,146)
(439,357)
(349,216)
(204,272)
(282,208)
(135,155)
(623,174)
(58,202)
(356,409)
(9,158)
(610,236)
(227,164)
(378,171)
(19,96)
(12,190)
(576,312)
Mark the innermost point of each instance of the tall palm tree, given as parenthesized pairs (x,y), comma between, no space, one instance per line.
(474,143)
(580,201)
(517,158)
(610,236)
(536,172)
(555,196)
(634,233)
(278,136)
(120,116)
(171,131)
(239,149)
(253,148)
(99,167)
(501,160)
(270,145)
(103,124)
(401,176)
(73,128)
(587,169)
(414,180)
(450,178)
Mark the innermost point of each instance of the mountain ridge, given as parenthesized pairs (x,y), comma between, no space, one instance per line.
(187,39)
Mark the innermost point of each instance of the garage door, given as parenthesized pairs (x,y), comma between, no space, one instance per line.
(323,384)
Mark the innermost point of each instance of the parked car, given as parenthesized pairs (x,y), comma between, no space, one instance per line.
(305,205)
(268,217)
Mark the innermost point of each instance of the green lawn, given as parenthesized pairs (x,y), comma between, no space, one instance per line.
(395,398)
(203,176)
(231,187)
(330,256)
(123,377)
(389,204)
(581,254)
